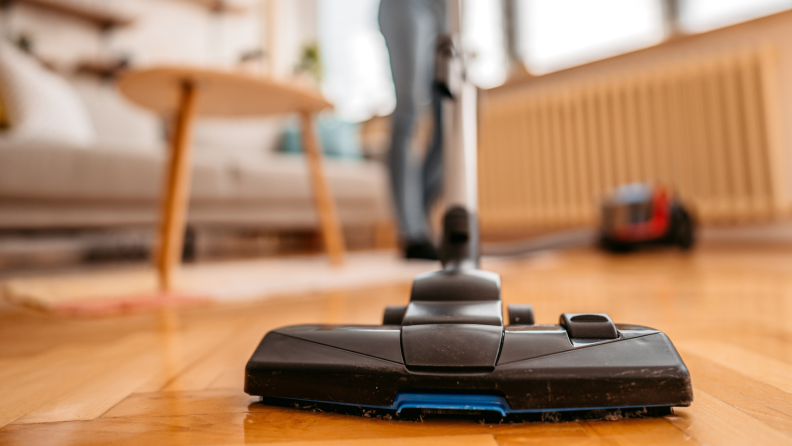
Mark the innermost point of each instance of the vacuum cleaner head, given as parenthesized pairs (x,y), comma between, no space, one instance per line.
(450,351)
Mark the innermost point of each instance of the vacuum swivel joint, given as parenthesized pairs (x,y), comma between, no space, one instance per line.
(460,245)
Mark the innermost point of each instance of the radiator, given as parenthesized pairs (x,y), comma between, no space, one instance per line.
(550,150)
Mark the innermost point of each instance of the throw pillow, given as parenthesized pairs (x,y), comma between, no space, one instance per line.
(39,104)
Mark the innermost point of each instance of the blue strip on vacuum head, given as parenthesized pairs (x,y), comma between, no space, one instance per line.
(451,402)
(471,402)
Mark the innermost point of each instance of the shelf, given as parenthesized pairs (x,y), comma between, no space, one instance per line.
(222,6)
(103,17)
(103,69)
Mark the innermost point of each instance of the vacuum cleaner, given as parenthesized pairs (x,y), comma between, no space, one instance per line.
(451,350)
(640,214)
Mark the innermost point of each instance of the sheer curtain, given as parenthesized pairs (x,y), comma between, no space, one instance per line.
(357,75)
(702,15)
(556,34)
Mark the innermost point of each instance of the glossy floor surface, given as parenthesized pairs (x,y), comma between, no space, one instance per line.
(175,377)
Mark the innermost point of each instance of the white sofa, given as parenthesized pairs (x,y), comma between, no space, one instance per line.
(45,185)
(115,179)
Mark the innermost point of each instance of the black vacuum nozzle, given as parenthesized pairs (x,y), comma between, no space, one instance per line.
(449,351)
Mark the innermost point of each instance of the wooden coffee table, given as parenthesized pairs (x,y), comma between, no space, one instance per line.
(187,92)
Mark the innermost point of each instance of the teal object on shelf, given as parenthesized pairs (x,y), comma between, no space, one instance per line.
(339,139)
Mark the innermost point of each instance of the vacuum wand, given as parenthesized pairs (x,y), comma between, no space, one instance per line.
(460,244)
(450,350)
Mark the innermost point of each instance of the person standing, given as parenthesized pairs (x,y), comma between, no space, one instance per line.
(410,28)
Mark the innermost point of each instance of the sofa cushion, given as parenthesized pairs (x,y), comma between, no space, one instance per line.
(339,139)
(46,170)
(40,104)
(238,137)
(119,124)
(272,188)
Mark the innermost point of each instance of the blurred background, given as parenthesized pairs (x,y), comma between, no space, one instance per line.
(577,97)
(615,124)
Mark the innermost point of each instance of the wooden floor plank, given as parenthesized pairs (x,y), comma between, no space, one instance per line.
(561,433)
(236,350)
(649,432)
(176,377)
(120,378)
(275,425)
(50,375)
(712,421)
(521,440)
(758,399)
(201,402)
(182,351)
(755,365)
(451,440)
(230,378)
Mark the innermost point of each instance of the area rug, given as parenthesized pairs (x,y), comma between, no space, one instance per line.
(216,281)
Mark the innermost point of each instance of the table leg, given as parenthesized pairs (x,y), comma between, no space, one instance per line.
(328,218)
(176,189)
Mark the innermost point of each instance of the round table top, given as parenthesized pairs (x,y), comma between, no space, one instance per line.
(220,92)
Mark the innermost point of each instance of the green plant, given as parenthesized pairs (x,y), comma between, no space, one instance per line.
(310,62)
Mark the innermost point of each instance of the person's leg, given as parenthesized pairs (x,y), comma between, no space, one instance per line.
(409,34)
(406,184)
(432,173)
(433,164)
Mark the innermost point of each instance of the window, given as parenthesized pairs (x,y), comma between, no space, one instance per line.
(357,78)
(702,15)
(556,34)
(484,38)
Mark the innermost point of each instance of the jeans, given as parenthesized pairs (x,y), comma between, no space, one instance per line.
(410,28)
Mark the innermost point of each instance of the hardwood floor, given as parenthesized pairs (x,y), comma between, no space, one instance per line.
(175,377)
